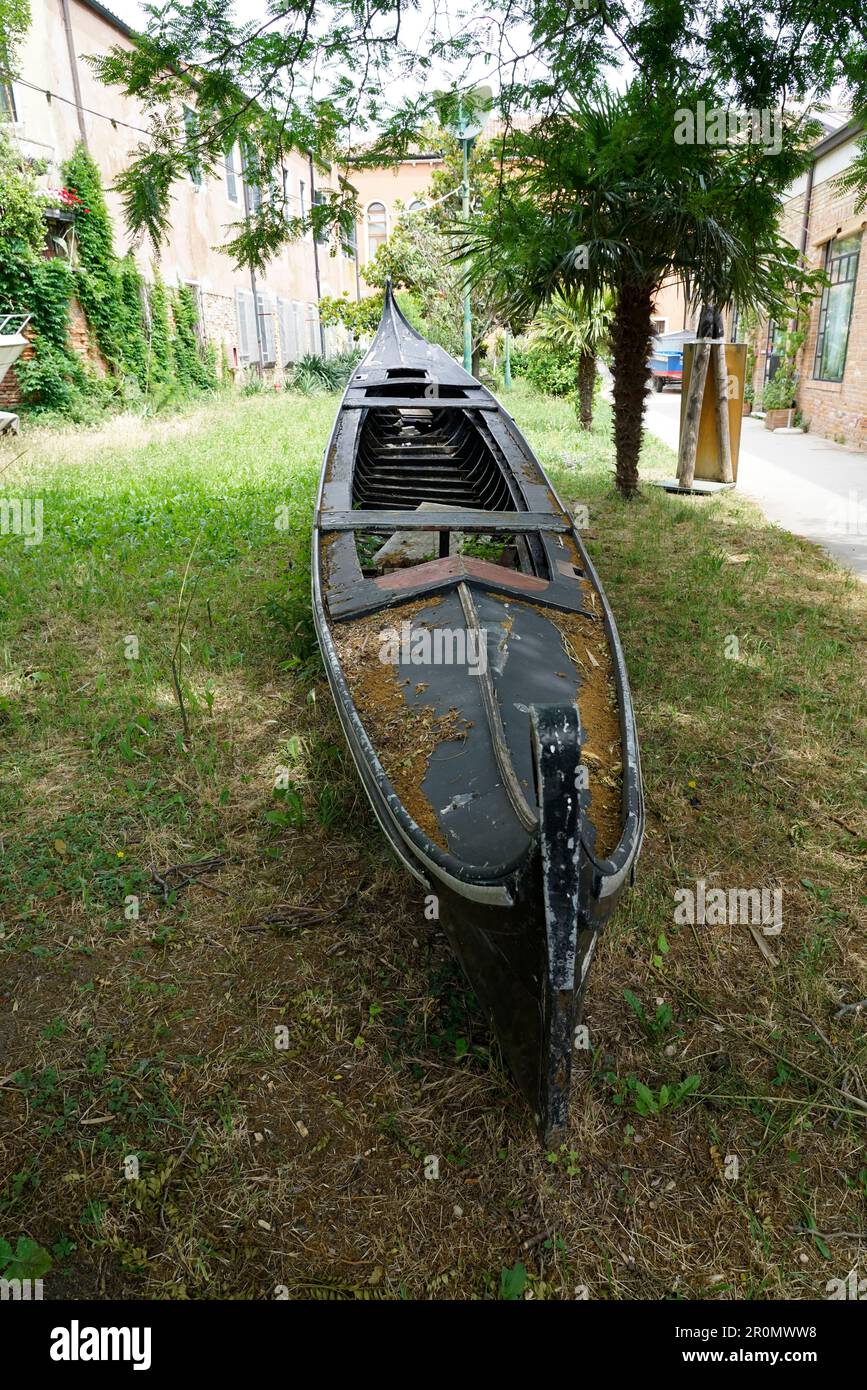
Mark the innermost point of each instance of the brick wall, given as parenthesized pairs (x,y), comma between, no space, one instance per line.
(835,409)
(80,339)
(10,394)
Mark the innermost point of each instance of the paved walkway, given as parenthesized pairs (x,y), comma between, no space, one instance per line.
(806,483)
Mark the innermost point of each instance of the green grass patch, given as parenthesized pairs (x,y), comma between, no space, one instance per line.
(212,966)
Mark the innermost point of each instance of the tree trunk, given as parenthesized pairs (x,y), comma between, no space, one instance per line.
(710,327)
(721,400)
(631,332)
(692,415)
(586,382)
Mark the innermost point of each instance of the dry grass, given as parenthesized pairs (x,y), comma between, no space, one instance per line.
(303,1165)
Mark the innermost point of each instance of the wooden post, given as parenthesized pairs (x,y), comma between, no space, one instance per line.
(692,414)
(721,402)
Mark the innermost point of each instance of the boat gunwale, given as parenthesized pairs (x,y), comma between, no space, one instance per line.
(609,873)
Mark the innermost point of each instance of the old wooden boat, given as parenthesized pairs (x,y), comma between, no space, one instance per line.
(480,683)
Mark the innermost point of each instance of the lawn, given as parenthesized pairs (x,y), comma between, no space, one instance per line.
(239,1062)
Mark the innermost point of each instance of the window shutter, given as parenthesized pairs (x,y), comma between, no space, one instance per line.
(241,314)
(298,318)
(252,332)
(265,308)
(288,338)
(314,343)
(248,341)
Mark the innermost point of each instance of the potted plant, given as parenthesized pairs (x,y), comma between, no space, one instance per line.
(778,399)
(749,393)
(779,395)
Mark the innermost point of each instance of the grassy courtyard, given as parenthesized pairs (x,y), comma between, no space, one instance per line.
(238,988)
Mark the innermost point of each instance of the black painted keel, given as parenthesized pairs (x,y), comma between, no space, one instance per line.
(560,784)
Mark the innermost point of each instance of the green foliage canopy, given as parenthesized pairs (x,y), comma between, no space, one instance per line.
(319,75)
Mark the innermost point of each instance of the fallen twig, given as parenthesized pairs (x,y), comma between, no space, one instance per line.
(851,1008)
(294,915)
(176,877)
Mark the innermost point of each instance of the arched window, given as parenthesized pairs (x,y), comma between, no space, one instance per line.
(416,205)
(377,228)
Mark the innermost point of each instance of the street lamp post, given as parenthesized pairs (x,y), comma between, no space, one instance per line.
(465,190)
(472,107)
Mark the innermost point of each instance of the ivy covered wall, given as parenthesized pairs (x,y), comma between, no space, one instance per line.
(146,334)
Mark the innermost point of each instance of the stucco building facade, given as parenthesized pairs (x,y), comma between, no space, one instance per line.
(56,101)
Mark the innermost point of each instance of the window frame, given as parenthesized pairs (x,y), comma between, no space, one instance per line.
(250,163)
(195,286)
(380,241)
(321,238)
(775,341)
(853,263)
(232,177)
(191,125)
(8,107)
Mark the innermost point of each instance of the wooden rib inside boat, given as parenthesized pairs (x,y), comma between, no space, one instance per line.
(480,683)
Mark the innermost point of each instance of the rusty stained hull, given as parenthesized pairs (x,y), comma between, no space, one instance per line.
(502,816)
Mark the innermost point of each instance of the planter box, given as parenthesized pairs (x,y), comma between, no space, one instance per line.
(748,406)
(778,419)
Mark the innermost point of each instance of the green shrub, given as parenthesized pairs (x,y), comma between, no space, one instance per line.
(167,360)
(131,320)
(518,360)
(160,360)
(550,371)
(194,366)
(313,375)
(53,378)
(56,380)
(779,394)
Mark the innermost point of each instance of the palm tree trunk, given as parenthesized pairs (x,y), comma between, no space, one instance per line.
(586,381)
(631,332)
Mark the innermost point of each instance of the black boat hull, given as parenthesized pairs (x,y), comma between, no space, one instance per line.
(499,930)
(522,889)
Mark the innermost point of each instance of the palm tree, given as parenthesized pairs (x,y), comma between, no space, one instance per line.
(566,322)
(602,197)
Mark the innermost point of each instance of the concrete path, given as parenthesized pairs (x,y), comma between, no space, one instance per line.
(806,483)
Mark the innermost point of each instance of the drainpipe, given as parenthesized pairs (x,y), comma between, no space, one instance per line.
(805,226)
(316,253)
(73,65)
(808,199)
(805,231)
